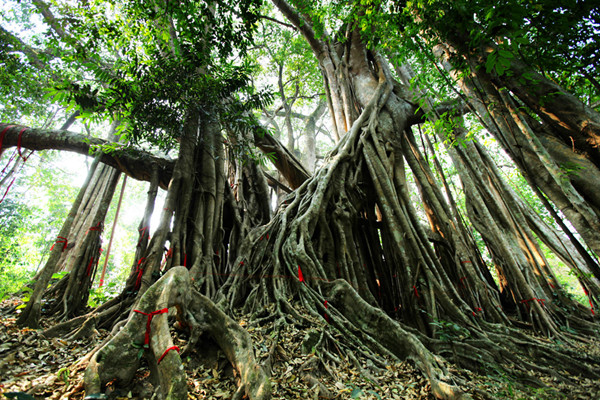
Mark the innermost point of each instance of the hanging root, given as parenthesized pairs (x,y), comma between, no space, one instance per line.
(235,343)
(147,333)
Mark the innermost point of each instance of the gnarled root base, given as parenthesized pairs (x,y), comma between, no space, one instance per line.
(390,335)
(148,331)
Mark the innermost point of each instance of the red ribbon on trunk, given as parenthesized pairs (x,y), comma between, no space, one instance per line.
(326,315)
(150,316)
(62,240)
(166,351)
(140,272)
(19,145)
(590,300)
(97,227)
(2,137)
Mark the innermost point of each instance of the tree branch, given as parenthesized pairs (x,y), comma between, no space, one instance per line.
(131,161)
(278,22)
(286,163)
(301,24)
(451,107)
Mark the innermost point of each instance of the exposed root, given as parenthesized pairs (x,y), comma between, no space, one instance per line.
(148,335)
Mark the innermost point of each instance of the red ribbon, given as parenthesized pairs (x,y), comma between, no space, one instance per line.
(184,259)
(143,231)
(89,267)
(62,240)
(97,227)
(150,316)
(590,300)
(140,272)
(416,293)
(19,145)
(326,315)
(466,262)
(10,160)
(2,136)
(7,189)
(166,351)
(300,276)
(533,299)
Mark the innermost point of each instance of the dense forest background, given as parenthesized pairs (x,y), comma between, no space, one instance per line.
(392,181)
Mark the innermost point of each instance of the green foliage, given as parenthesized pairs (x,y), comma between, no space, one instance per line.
(13,251)
(449,331)
(102,294)
(31,216)
(171,56)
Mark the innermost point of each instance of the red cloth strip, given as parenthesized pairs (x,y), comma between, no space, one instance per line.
(89,267)
(590,300)
(166,351)
(415,288)
(97,227)
(140,272)
(143,231)
(533,299)
(7,189)
(466,262)
(2,136)
(185,259)
(60,239)
(10,160)
(19,145)
(326,315)
(150,316)
(300,276)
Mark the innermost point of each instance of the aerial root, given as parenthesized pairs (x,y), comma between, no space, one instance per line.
(120,357)
(146,333)
(390,335)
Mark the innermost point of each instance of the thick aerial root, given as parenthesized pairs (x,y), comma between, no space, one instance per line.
(236,343)
(391,336)
(147,330)
(119,358)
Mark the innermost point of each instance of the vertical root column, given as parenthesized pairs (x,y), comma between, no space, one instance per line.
(148,332)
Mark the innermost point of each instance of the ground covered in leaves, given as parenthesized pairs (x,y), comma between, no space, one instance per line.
(53,369)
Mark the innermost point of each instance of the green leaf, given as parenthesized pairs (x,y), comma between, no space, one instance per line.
(505,54)
(356,393)
(491,62)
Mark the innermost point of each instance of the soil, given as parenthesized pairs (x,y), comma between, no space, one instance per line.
(36,367)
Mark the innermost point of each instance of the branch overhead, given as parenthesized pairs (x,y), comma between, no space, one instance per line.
(131,161)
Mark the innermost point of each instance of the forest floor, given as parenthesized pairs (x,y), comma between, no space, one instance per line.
(53,369)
